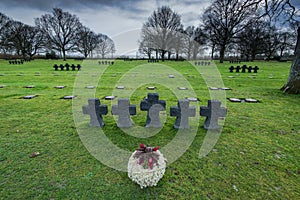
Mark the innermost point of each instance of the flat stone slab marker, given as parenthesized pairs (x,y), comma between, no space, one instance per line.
(29,97)
(29,86)
(60,87)
(120,87)
(151,88)
(109,97)
(69,97)
(182,88)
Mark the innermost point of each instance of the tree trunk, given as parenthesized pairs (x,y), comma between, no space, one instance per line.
(212,52)
(163,52)
(253,55)
(86,53)
(64,54)
(222,53)
(169,55)
(281,52)
(292,85)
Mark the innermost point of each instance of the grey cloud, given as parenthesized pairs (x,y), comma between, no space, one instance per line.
(45,5)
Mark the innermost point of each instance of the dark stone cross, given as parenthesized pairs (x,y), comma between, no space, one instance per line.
(153,106)
(55,67)
(212,112)
(67,67)
(237,69)
(73,67)
(124,110)
(249,69)
(95,110)
(231,69)
(255,69)
(182,112)
(244,67)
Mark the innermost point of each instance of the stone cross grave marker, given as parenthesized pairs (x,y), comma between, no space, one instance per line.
(249,69)
(73,67)
(237,69)
(212,113)
(124,110)
(255,69)
(67,66)
(95,110)
(244,67)
(153,105)
(182,112)
(55,67)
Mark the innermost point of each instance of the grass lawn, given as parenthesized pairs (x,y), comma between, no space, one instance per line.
(256,156)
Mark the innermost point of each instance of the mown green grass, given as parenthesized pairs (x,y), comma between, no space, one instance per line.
(257,155)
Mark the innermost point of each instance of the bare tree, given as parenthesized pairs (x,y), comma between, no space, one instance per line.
(211,40)
(25,40)
(4,25)
(105,45)
(284,9)
(160,29)
(87,41)
(286,42)
(194,41)
(226,18)
(250,42)
(178,42)
(145,47)
(60,30)
(271,42)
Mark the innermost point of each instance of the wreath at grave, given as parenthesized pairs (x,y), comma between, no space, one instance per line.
(146,166)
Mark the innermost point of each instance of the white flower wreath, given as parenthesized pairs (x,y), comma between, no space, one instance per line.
(146,173)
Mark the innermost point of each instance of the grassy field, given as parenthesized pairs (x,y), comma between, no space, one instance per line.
(256,157)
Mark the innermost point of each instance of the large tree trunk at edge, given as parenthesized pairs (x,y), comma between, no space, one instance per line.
(293,83)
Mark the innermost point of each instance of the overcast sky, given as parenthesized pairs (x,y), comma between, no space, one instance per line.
(119,19)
